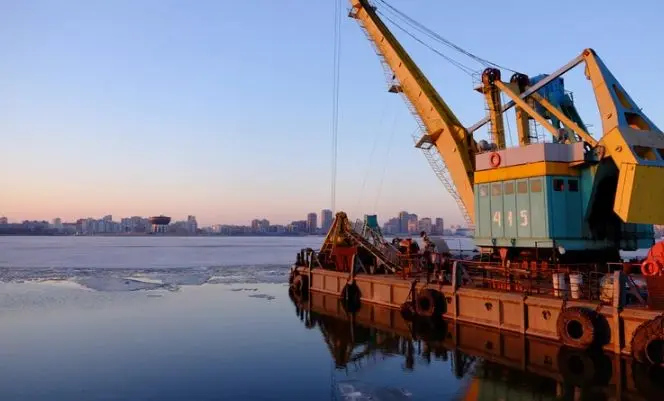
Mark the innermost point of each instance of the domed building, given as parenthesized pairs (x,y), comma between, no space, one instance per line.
(159,223)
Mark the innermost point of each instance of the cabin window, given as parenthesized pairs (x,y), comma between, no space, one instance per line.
(483,191)
(522,187)
(558,184)
(573,185)
(536,185)
(496,189)
(509,188)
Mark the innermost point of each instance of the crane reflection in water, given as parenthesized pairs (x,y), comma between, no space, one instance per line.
(486,364)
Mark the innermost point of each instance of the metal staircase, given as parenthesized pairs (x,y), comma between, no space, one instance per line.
(438,166)
(343,229)
(375,237)
(375,251)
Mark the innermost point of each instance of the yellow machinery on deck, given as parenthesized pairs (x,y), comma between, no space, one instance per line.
(576,198)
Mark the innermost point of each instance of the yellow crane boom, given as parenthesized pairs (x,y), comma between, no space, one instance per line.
(454,143)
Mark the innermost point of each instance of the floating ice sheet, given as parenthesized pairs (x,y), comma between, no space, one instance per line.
(355,390)
(100,279)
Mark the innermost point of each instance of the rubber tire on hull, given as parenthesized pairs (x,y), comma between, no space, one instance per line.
(300,287)
(576,366)
(429,329)
(647,336)
(408,311)
(648,380)
(429,303)
(576,327)
(351,298)
(583,367)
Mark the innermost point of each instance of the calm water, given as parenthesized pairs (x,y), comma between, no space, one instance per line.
(211,319)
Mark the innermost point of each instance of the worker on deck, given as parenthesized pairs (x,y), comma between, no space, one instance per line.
(427,255)
(404,245)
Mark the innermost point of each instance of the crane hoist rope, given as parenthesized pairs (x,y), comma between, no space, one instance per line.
(377,138)
(507,121)
(387,158)
(437,37)
(459,65)
(335,101)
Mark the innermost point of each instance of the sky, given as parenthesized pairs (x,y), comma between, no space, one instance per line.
(223,109)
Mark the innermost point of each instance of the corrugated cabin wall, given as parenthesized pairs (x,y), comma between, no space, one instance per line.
(536,209)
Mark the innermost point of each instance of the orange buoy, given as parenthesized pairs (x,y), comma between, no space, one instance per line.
(651,267)
(494,159)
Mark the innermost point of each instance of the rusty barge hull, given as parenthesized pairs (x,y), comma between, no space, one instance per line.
(542,357)
(531,315)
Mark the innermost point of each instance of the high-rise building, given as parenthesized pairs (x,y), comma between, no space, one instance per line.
(425,225)
(412,223)
(439,227)
(192,224)
(57,223)
(108,218)
(403,222)
(4,220)
(260,226)
(312,223)
(299,226)
(392,226)
(326,219)
(413,226)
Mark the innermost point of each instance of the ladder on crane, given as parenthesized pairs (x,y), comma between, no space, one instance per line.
(423,141)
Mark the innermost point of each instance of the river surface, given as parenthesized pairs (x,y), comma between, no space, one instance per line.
(144,318)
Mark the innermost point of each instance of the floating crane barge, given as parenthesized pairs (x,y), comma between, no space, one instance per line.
(550,218)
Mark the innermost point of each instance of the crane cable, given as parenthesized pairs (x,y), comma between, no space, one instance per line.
(507,121)
(377,138)
(432,34)
(455,63)
(335,101)
(387,161)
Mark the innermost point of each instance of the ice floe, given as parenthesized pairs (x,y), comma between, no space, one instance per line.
(171,279)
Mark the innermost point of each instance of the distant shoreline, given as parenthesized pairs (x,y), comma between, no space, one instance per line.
(42,234)
(47,234)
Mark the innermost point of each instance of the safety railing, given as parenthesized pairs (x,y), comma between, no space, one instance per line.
(562,281)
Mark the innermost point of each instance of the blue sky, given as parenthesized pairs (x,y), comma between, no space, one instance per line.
(222,109)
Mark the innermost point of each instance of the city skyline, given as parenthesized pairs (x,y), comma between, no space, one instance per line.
(277,216)
(318,220)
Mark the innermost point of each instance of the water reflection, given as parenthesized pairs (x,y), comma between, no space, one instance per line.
(493,364)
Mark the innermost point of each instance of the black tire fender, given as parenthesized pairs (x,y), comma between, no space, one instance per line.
(648,342)
(351,297)
(428,303)
(408,311)
(577,327)
(300,286)
(578,367)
